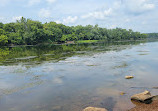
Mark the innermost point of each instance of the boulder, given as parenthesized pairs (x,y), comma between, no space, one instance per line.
(142,97)
(146,107)
(94,109)
(129,77)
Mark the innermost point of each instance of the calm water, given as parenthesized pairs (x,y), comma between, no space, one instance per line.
(72,77)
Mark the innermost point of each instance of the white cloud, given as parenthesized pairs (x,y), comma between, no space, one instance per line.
(106,13)
(33,2)
(144,22)
(112,26)
(1,18)
(138,6)
(127,20)
(51,1)
(98,14)
(117,4)
(4,2)
(58,21)
(70,19)
(44,13)
(15,18)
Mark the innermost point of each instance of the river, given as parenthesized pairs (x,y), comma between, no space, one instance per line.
(74,76)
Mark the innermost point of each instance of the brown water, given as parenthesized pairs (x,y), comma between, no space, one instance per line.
(72,77)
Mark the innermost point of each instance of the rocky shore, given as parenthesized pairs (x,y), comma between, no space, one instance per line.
(143,102)
(146,107)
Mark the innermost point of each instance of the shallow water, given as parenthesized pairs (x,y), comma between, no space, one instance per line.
(72,77)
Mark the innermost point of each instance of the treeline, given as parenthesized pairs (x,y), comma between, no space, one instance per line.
(152,35)
(29,32)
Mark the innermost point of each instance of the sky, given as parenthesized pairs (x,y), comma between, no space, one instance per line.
(139,15)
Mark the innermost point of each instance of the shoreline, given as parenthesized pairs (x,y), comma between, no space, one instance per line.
(76,42)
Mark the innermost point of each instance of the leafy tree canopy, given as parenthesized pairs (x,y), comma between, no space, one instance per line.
(29,32)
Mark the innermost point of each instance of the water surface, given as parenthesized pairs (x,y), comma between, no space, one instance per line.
(72,77)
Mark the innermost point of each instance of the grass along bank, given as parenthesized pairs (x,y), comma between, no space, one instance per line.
(87,41)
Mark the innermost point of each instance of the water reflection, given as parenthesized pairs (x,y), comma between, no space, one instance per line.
(38,54)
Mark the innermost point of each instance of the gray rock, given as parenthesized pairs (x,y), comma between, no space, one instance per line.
(94,109)
(142,97)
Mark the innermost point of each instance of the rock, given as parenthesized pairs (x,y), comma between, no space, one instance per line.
(146,107)
(155,98)
(129,77)
(155,87)
(153,106)
(122,93)
(142,97)
(94,109)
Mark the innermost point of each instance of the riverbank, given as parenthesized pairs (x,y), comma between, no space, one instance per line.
(84,42)
(146,107)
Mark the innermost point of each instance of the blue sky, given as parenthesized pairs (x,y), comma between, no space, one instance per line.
(139,15)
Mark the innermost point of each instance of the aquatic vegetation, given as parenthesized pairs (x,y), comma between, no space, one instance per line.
(36,54)
(91,65)
(25,86)
(123,65)
(143,51)
(144,54)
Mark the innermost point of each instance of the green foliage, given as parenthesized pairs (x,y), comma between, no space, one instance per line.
(87,41)
(1,25)
(3,40)
(2,31)
(4,52)
(14,38)
(152,35)
(29,32)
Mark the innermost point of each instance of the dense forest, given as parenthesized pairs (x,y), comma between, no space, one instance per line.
(152,35)
(29,32)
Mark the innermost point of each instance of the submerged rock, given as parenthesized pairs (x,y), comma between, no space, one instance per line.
(155,98)
(94,109)
(144,97)
(155,87)
(122,93)
(129,77)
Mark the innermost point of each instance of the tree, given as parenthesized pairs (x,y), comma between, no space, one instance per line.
(2,31)
(3,40)
(1,25)
(27,31)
